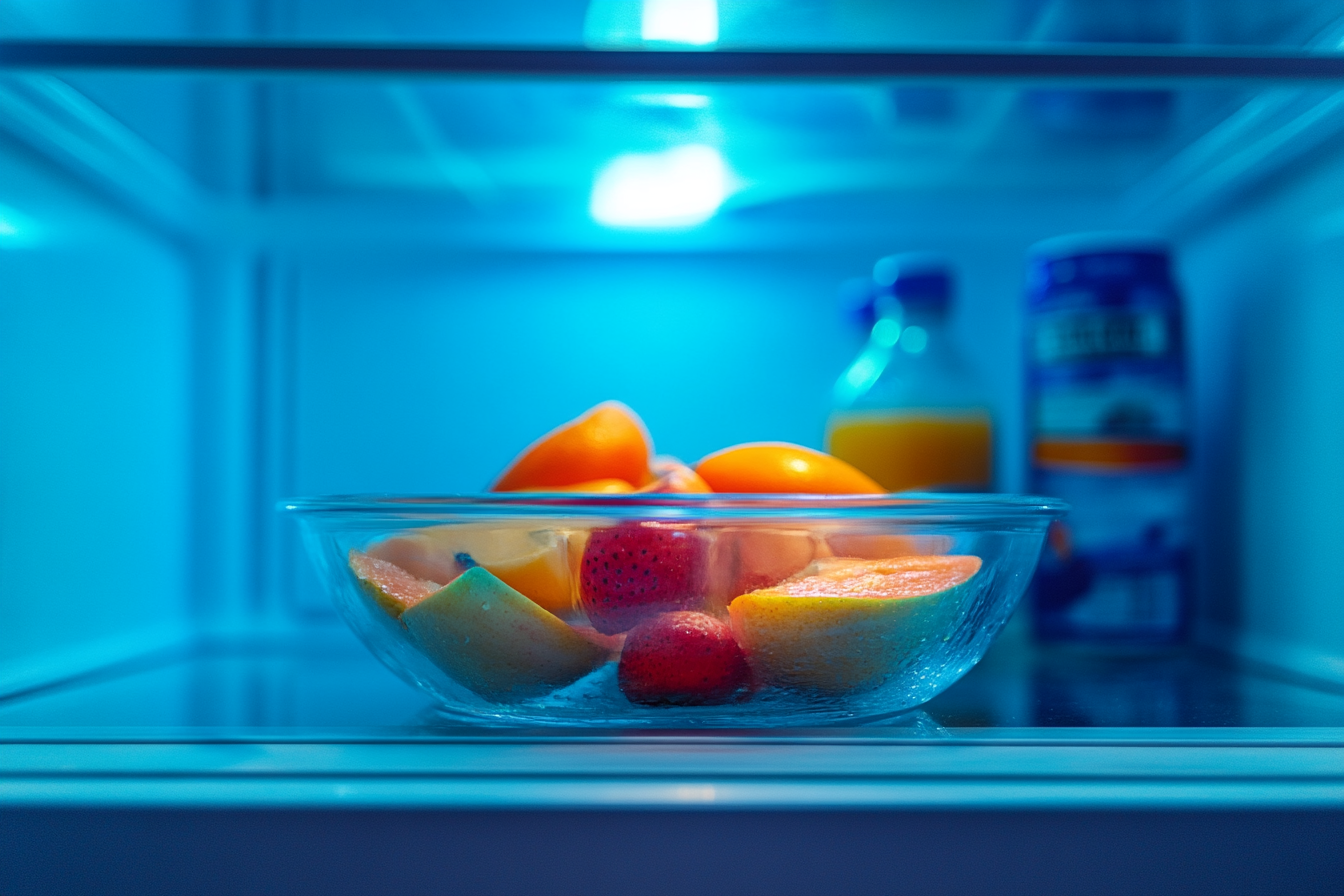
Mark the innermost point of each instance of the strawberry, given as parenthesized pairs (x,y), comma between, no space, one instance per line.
(636,570)
(683,658)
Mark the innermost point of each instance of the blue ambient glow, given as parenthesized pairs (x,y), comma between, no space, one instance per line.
(16,228)
(693,22)
(679,187)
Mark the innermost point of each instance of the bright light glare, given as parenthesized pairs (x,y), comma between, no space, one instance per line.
(7,228)
(680,21)
(679,187)
(675,100)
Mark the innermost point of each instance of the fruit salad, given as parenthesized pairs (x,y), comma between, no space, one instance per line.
(667,612)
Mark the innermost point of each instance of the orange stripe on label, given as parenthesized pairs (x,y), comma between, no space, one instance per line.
(1107,453)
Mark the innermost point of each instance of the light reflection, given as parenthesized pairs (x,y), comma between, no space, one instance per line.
(914,340)
(886,331)
(673,100)
(16,228)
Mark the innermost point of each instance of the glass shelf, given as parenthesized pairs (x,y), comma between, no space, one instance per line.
(329,688)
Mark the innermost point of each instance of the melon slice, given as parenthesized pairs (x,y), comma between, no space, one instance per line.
(392,588)
(848,625)
(497,642)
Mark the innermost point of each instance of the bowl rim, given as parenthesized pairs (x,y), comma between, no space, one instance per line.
(910,506)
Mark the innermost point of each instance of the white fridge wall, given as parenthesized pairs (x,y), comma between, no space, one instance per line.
(95,447)
(1266,288)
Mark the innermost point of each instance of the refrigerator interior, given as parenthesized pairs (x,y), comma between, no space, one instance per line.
(228,283)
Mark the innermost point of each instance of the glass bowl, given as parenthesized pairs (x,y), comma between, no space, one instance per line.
(527,633)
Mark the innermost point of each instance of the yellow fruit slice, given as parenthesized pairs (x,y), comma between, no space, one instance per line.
(532,561)
(851,624)
(497,642)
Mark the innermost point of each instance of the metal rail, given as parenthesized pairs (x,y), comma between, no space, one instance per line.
(1111,63)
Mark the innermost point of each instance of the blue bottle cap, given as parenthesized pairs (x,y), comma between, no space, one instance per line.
(1094,258)
(857,296)
(920,280)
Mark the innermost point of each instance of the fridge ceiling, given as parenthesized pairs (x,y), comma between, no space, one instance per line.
(332,120)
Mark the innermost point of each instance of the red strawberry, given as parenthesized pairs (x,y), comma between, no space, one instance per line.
(636,570)
(684,658)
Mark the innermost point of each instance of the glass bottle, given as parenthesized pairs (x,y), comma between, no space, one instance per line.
(908,411)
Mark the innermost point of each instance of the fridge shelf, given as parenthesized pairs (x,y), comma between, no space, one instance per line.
(327,689)
(1109,63)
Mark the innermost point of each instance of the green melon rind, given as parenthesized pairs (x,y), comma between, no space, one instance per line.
(870,641)
(498,642)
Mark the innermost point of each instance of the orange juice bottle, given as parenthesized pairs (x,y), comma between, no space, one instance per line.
(908,411)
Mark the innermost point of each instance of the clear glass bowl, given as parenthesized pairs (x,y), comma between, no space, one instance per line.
(809,663)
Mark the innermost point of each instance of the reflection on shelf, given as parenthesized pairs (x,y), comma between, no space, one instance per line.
(331,687)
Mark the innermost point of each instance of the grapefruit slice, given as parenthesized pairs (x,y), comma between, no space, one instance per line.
(851,624)
(750,558)
(881,545)
(532,561)
(392,588)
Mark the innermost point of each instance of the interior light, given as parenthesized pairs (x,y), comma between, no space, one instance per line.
(679,187)
(680,21)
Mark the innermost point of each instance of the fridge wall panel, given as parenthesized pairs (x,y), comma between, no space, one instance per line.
(96,374)
(1267,333)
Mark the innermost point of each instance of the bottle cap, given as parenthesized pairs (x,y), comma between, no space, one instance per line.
(920,280)
(1082,258)
(856,301)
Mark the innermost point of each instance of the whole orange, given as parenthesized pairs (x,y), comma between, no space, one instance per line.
(782,468)
(607,442)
